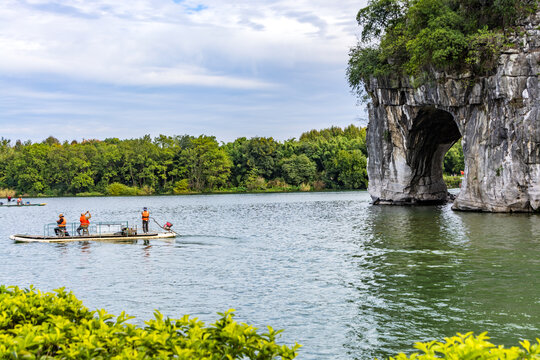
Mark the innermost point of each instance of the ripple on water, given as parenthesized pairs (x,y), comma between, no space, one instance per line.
(345,279)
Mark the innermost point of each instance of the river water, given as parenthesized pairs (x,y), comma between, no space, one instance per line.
(345,279)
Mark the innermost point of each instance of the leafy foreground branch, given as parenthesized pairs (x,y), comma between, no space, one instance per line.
(56,325)
(468,346)
(37,325)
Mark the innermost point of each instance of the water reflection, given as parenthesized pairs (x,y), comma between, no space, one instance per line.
(429,272)
(147,248)
(502,273)
(410,269)
(85,247)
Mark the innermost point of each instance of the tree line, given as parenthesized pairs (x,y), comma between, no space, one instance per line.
(333,158)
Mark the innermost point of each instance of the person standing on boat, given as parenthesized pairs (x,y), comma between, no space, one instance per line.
(60,230)
(145,218)
(19,201)
(8,198)
(85,222)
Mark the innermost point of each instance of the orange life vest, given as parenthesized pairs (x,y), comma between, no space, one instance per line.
(63,223)
(145,215)
(84,220)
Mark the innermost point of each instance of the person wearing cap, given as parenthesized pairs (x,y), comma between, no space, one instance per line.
(85,222)
(145,218)
(60,230)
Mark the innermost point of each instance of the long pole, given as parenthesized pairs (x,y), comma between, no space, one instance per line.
(164,227)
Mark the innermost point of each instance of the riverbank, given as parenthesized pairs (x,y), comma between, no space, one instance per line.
(124,190)
(291,189)
(188,193)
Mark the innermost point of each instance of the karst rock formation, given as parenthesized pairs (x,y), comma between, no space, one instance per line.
(497,118)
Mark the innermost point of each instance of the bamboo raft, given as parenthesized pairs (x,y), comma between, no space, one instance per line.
(101,231)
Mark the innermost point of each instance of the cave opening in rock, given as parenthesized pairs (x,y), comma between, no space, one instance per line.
(433,133)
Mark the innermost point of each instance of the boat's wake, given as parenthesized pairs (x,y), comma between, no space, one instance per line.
(204,240)
(207,236)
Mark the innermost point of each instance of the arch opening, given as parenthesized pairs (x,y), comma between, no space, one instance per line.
(433,133)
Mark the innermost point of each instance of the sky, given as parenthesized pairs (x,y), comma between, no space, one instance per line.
(92,69)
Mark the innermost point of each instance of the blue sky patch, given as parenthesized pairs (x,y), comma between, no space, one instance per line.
(62,9)
(199,7)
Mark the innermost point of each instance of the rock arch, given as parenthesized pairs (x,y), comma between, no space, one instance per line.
(432,134)
(498,117)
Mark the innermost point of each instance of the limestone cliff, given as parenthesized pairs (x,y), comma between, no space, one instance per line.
(497,118)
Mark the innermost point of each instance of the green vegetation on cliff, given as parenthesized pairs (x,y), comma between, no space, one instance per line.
(412,37)
(332,158)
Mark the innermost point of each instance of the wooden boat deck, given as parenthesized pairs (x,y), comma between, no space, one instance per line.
(91,237)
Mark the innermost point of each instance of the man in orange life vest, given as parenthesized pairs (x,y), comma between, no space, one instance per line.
(84,219)
(61,229)
(145,218)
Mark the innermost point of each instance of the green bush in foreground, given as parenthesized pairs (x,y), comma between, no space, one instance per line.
(37,325)
(468,346)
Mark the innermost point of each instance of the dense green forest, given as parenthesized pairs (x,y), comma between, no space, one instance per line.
(333,158)
(413,37)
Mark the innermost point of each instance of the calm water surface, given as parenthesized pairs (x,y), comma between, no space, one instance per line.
(345,279)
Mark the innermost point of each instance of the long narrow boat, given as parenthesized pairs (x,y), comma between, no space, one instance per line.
(22,205)
(102,231)
(102,237)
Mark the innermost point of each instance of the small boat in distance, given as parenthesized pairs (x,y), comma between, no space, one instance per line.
(21,205)
(99,231)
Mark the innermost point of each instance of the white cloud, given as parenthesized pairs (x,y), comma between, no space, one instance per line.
(161,42)
(126,68)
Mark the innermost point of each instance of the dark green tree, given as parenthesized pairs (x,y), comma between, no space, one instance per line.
(348,169)
(454,161)
(298,169)
(207,166)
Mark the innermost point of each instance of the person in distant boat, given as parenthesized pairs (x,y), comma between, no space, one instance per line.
(145,218)
(60,230)
(9,198)
(85,222)
(19,201)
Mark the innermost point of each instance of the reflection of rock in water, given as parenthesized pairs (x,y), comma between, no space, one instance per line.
(429,272)
(502,272)
(497,116)
(407,275)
